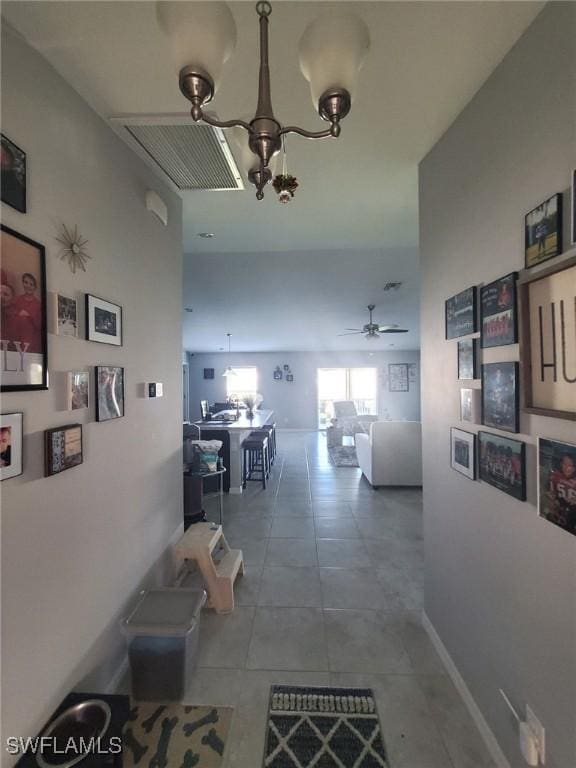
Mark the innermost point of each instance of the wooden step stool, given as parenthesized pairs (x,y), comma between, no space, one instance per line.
(198,543)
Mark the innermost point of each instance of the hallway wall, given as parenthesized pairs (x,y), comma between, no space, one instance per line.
(500,581)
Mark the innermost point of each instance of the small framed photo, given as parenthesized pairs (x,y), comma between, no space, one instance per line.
(63,316)
(557,483)
(103,321)
(11,441)
(109,392)
(63,448)
(461,313)
(397,377)
(13,174)
(278,375)
(498,312)
(208,373)
(78,390)
(289,377)
(543,231)
(470,405)
(286,367)
(463,452)
(500,396)
(502,463)
(468,367)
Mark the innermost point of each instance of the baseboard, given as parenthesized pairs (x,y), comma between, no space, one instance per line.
(485,731)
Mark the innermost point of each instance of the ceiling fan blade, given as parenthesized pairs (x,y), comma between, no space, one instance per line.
(358,330)
(354,333)
(394,330)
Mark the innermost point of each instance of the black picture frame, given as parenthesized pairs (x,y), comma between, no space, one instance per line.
(208,373)
(461,313)
(104,323)
(59,444)
(501,396)
(13,182)
(286,367)
(463,452)
(543,231)
(556,473)
(468,359)
(499,312)
(289,377)
(278,375)
(110,392)
(502,463)
(11,445)
(23,370)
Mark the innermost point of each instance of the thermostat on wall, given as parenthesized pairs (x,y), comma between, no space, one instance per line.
(154,389)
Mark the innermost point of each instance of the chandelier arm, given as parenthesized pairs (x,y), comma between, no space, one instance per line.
(328,133)
(225,123)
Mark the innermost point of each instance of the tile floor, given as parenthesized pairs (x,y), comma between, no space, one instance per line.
(332,595)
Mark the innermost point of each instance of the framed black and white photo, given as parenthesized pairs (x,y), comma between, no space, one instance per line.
(468,367)
(208,373)
(63,315)
(24,343)
(463,452)
(461,313)
(278,375)
(13,174)
(63,447)
(109,392)
(78,390)
(11,441)
(499,320)
(557,483)
(543,231)
(502,463)
(397,377)
(500,396)
(103,321)
(470,405)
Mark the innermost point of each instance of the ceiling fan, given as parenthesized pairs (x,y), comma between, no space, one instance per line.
(373,330)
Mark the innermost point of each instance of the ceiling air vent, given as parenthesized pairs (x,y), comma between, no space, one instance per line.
(191,156)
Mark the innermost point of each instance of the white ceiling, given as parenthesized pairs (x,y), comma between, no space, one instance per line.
(357,195)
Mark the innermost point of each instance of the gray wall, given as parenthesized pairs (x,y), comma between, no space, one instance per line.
(295,404)
(500,582)
(76,546)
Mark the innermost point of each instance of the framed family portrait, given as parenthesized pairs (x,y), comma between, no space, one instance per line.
(78,390)
(63,315)
(109,392)
(557,483)
(463,452)
(24,359)
(398,377)
(500,396)
(543,231)
(468,359)
(548,340)
(461,316)
(502,463)
(63,448)
(470,405)
(498,312)
(11,441)
(103,321)
(13,174)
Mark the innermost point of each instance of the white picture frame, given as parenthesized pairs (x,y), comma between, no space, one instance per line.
(78,390)
(63,316)
(470,405)
(11,445)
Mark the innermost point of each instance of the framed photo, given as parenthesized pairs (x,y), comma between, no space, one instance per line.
(286,367)
(109,392)
(103,321)
(498,312)
(463,452)
(289,377)
(502,463)
(24,359)
(543,231)
(63,316)
(11,440)
(412,373)
(278,374)
(500,396)
(397,377)
(78,390)
(557,483)
(470,405)
(208,373)
(63,448)
(13,174)
(462,313)
(468,359)
(548,340)
(573,208)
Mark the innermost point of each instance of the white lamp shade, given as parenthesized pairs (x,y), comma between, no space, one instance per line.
(200,34)
(332,51)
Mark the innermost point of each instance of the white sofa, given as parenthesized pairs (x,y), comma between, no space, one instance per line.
(391,454)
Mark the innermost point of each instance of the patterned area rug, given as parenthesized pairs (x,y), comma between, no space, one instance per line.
(343,456)
(323,728)
(175,736)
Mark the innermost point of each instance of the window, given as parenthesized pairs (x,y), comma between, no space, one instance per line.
(357,384)
(245,382)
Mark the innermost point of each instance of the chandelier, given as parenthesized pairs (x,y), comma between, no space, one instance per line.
(332,51)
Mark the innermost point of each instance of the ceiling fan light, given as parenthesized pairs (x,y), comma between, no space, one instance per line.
(332,51)
(202,35)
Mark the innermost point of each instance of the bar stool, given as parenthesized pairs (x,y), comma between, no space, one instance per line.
(266,431)
(255,459)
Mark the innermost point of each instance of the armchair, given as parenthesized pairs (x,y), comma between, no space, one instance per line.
(349,419)
(391,454)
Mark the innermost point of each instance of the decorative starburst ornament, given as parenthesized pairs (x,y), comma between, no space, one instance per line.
(73,251)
